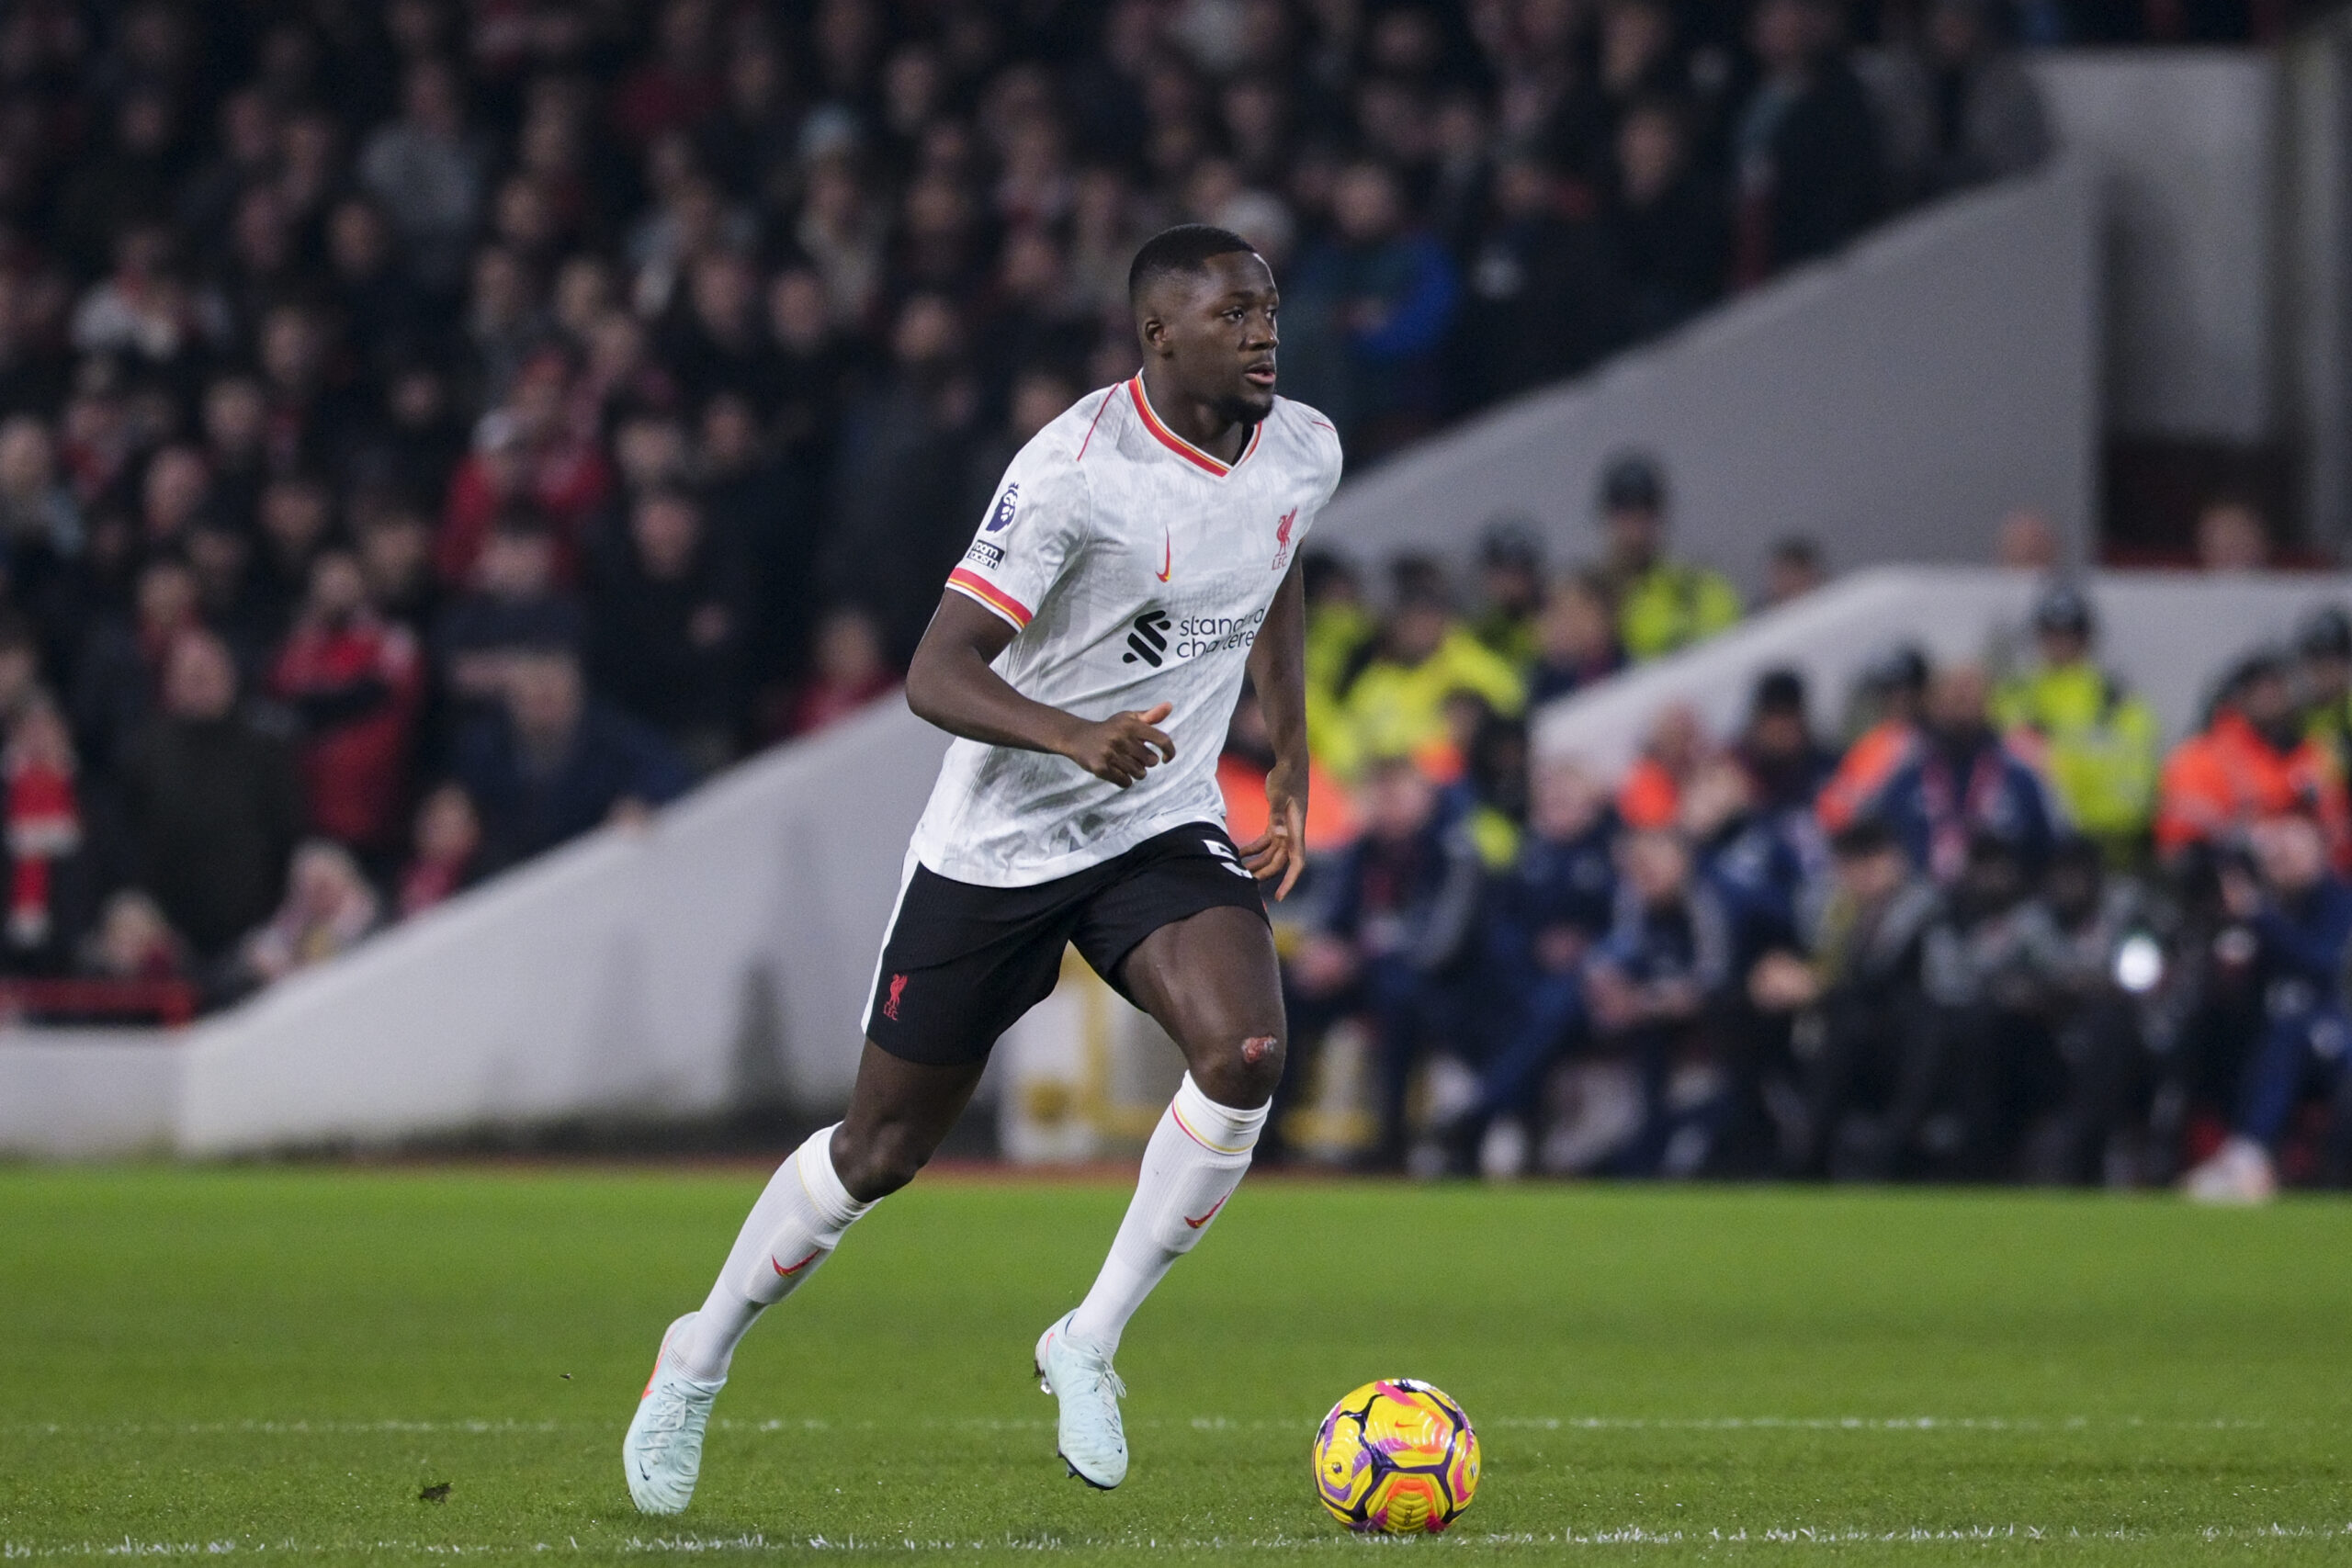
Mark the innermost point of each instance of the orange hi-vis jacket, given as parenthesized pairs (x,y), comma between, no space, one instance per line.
(1650,796)
(1877,756)
(2219,781)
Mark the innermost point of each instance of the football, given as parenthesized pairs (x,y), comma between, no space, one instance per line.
(1396,1456)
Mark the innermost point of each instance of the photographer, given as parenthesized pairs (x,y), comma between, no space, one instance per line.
(2300,914)
(2076,965)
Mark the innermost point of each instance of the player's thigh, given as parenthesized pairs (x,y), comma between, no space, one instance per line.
(1212,982)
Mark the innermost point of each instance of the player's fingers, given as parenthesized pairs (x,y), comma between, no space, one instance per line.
(1118,766)
(1256,846)
(1157,715)
(1290,877)
(1160,738)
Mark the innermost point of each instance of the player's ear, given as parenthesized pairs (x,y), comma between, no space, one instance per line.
(1153,330)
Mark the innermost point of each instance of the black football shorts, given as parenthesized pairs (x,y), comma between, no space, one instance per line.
(961,962)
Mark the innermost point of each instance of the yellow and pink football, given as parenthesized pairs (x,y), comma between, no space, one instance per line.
(1396,1456)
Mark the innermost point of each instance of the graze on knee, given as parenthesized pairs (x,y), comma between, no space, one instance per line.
(1242,1073)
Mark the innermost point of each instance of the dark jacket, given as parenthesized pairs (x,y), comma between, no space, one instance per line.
(525,809)
(1811,159)
(213,810)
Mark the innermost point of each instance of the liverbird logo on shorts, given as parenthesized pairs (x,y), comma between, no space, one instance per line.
(1281,538)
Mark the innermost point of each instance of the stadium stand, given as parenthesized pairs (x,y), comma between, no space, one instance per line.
(431,437)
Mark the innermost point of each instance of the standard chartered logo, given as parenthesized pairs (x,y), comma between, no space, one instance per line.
(1197,634)
(1154,638)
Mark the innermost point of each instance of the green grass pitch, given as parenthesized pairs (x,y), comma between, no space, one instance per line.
(276,1363)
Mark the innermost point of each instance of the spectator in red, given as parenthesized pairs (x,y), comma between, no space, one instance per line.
(44,829)
(356,680)
(527,454)
(445,858)
(850,671)
(133,941)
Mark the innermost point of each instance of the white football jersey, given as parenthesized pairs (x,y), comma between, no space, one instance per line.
(1135,569)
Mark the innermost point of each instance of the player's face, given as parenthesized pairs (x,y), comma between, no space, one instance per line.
(1220,339)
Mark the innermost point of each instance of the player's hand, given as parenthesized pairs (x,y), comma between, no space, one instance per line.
(1279,853)
(1123,747)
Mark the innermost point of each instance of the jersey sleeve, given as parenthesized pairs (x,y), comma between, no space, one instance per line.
(1031,530)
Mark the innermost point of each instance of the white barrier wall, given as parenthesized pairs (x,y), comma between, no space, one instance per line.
(1894,403)
(74,1093)
(2170,634)
(719,956)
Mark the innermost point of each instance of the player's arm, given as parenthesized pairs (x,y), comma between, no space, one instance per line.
(1278,670)
(949,684)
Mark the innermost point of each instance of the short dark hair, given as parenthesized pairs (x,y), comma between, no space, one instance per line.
(1778,691)
(1632,481)
(1186,248)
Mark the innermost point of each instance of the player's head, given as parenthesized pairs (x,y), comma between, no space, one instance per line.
(1205,305)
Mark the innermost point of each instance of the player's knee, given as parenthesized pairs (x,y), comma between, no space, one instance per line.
(1243,1073)
(880,1162)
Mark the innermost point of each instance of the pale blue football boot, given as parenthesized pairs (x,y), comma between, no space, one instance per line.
(662,1452)
(1091,1441)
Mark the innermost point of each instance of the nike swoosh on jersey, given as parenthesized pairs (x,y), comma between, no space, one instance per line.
(1166,556)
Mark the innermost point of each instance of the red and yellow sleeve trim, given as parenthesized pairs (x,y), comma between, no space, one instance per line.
(973,585)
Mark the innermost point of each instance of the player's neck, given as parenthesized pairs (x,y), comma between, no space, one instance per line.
(1195,421)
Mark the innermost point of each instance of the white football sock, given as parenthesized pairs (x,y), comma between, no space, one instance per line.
(792,1230)
(1196,1157)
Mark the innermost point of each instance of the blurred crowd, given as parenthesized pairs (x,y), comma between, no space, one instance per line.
(431,429)
(1977,923)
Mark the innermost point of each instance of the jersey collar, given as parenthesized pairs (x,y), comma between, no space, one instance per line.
(1183,448)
